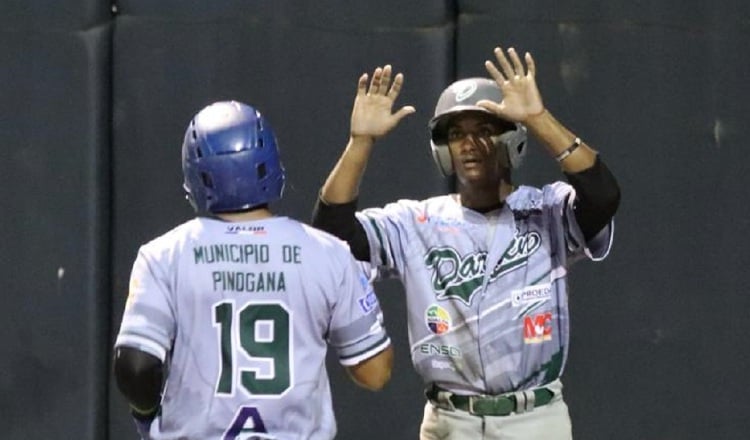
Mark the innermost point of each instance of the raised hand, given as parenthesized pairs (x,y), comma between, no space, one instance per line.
(372,115)
(521,97)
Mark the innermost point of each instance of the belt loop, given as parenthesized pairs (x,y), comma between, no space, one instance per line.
(444,398)
(520,398)
(530,399)
(440,397)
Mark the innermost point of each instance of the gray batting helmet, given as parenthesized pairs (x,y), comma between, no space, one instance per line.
(461,96)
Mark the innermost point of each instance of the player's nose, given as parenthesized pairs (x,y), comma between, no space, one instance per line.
(474,142)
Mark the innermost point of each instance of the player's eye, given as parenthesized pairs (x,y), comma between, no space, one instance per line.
(486,131)
(455,135)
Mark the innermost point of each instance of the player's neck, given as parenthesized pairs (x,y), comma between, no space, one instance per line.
(484,199)
(255,214)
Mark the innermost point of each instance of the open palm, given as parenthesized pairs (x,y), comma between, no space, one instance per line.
(372,114)
(521,97)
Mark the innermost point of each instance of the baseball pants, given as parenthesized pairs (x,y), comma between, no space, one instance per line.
(548,422)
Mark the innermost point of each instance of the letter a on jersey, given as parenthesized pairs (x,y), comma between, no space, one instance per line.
(246,424)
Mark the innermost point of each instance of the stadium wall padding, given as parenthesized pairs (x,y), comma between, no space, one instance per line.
(96,97)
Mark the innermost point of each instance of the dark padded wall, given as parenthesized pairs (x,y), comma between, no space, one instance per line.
(299,65)
(659,89)
(54,122)
(660,92)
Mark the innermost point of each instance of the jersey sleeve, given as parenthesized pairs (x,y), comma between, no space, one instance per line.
(357,332)
(385,228)
(148,323)
(561,198)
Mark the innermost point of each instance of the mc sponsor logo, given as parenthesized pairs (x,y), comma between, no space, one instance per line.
(537,328)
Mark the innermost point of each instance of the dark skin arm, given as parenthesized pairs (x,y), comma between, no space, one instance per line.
(374,372)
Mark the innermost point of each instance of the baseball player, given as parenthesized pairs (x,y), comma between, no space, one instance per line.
(484,269)
(229,315)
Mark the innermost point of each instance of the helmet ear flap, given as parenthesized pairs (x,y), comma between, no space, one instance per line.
(515,144)
(190,197)
(442,156)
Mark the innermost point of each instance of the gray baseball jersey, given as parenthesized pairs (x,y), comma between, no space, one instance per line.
(241,313)
(486,294)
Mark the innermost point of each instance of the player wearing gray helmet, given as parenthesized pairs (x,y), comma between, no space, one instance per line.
(462,96)
(230,314)
(484,269)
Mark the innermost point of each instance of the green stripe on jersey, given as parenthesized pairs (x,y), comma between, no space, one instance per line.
(383,259)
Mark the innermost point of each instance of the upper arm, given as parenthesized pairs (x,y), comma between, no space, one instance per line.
(389,232)
(340,221)
(148,322)
(356,330)
(560,200)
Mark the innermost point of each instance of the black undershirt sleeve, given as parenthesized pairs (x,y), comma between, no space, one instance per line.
(597,197)
(139,376)
(339,220)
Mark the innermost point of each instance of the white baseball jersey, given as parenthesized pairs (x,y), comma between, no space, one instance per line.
(241,314)
(486,294)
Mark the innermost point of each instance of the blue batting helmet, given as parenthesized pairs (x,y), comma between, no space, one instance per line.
(230,160)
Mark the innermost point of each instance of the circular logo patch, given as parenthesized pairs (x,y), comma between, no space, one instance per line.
(466,91)
(438,320)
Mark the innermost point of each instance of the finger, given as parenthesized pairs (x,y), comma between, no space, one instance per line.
(398,82)
(404,111)
(362,85)
(531,65)
(494,107)
(375,83)
(504,64)
(385,81)
(494,73)
(517,65)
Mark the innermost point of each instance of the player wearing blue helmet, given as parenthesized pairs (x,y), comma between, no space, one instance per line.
(230,160)
(229,315)
(484,269)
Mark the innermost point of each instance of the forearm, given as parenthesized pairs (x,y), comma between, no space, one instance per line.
(597,197)
(375,372)
(597,191)
(139,377)
(342,185)
(556,138)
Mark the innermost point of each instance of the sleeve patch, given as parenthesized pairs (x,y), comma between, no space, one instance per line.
(368,303)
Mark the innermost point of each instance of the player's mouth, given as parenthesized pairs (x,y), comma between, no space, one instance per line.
(471,162)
